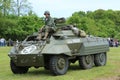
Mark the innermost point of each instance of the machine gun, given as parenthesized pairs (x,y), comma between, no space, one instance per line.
(60,23)
(59,20)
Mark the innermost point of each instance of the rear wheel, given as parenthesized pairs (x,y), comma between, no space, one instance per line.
(17,69)
(100,59)
(86,62)
(59,65)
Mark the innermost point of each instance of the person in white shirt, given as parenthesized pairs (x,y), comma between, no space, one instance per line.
(2,41)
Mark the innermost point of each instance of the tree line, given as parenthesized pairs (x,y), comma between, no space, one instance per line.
(17,20)
(102,23)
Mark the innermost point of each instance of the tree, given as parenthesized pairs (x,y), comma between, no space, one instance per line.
(28,25)
(21,7)
(117,36)
(103,23)
(5,6)
(6,26)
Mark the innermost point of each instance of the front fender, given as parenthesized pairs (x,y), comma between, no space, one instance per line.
(56,49)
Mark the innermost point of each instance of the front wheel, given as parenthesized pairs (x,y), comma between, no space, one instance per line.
(100,59)
(59,64)
(17,69)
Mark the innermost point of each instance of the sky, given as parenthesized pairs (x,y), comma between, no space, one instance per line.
(65,8)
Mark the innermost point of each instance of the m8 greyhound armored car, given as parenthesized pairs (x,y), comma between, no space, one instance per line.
(56,53)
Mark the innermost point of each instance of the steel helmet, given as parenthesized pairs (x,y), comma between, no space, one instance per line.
(46,12)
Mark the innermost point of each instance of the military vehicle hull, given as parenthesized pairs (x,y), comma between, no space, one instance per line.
(58,52)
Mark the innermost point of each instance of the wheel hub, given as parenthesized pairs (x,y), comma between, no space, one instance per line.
(88,59)
(61,63)
(102,57)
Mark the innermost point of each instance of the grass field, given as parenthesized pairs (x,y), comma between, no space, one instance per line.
(109,72)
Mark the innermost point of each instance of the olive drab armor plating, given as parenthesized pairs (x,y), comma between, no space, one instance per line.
(58,51)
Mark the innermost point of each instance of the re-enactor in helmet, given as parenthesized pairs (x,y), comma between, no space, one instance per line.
(49,26)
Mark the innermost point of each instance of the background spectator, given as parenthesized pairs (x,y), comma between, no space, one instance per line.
(2,42)
(10,42)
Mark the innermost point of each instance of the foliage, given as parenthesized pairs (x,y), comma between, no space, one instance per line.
(15,24)
(19,27)
(29,24)
(21,7)
(103,23)
(5,6)
(117,36)
(6,27)
(16,7)
(17,20)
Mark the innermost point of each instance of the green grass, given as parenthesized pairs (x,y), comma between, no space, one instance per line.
(74,73)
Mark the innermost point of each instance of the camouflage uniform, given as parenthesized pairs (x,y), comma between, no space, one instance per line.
(49,25)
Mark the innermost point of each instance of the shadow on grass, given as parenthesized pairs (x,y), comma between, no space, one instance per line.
(44,72)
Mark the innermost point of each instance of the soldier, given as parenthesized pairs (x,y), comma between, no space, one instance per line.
(49,26)
(78,32)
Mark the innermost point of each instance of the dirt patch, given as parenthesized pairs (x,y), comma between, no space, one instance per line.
(109,78)
(117,71)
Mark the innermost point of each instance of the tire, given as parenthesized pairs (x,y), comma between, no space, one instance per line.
(100,59)
(47,62)
(86,62)
(18,70)
(59,65)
